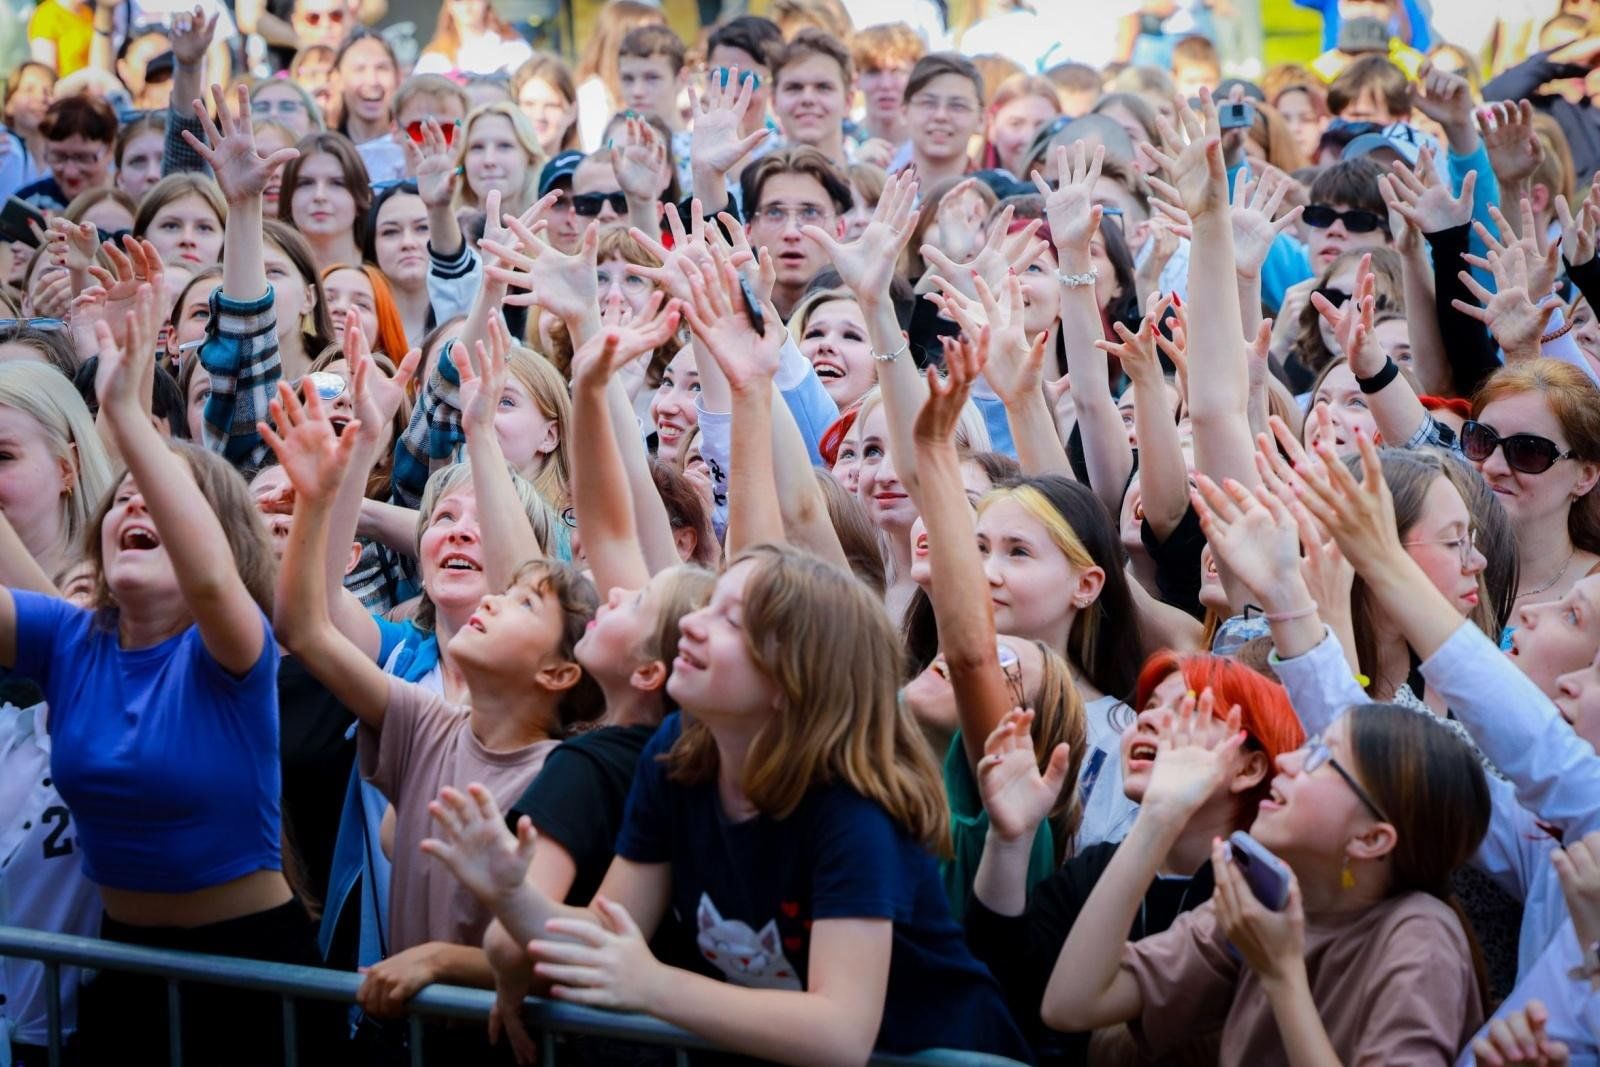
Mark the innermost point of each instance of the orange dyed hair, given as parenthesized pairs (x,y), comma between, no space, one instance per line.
(1264,709)
(391,339)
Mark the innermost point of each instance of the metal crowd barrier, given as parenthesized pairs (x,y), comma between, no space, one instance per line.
(295,983)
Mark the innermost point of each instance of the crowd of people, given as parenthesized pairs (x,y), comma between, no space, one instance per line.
(822,534)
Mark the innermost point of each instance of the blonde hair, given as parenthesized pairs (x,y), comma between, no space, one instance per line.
(47,397)
(972,433)
(522,130)
(824,641)
(548,390)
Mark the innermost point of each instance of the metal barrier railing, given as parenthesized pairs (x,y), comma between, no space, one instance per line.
(295,983)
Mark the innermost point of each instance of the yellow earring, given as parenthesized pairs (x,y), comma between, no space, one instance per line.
(1347,877)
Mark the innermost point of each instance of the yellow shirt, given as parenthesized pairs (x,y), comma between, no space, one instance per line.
(1329,65)
(70,26)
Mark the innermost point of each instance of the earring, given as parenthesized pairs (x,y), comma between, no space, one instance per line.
(1347,877)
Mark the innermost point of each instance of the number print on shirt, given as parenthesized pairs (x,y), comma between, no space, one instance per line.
(748,958)
(56,843)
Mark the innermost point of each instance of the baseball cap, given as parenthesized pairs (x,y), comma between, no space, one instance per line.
(559,169)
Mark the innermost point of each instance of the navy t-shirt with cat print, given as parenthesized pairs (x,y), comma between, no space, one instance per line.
(744,896)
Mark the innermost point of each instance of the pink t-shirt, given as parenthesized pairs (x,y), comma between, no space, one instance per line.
(426,744)
(1394,985)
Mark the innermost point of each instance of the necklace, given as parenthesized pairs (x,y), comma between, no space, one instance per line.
(1559,575)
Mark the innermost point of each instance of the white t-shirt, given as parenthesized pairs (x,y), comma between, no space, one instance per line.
(482,55)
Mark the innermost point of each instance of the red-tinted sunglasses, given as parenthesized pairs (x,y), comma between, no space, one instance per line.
(414,130)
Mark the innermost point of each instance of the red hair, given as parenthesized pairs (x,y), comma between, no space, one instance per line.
(1265,713)
(391,339)
(828,444)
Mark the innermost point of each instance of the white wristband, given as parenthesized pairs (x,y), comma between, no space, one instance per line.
(1078,281)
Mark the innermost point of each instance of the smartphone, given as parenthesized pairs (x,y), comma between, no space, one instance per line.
(1266,874)
(14,222)
(1237,116)
(752,306)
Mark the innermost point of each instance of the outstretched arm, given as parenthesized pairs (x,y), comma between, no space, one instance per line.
(229,619)
(316,461)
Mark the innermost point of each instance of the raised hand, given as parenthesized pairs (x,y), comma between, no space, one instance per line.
(302,437)
(1003,251)
(1252,534)
(1512,313)
(1359,515)
(1578,866)
(1137,350)
(1515,150)
(191,35)
(136,263)
(1520,1039)
(1445,98)
(73,244)
(1271,942)
(1192,159)
(866,265)
(964,361)
(474,843)
(1257,221)
(1543,256)
(640,162)
(484,372)
(716,315)
(1352,323)
(538,273)
(959,220)
(608,965)
(607,352)
(241,171)
(1015,368)
(1578,232)
(1016,796)
(1423,199)
(716,144)
(126,366)
(375,396)
(436,168)
(1193,756)
(1070,208)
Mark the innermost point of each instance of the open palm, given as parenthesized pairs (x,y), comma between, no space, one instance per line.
(474,843)
(241,171)
(1016,796)
(866,265)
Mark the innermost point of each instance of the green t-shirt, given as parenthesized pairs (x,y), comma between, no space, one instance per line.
(969,825)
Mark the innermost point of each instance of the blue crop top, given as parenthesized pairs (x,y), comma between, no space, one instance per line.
(168,762)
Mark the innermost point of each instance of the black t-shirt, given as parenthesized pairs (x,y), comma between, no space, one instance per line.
(745,894)
(577,799)
(1177,562)
(316,749)
(1022,950)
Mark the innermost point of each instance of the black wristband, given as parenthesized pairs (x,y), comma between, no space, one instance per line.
(1376,383)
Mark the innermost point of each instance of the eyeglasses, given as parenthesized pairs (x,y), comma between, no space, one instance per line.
(45,324)
(589,204)
(416,130)
(569,518)
(1464,546)
(957,107)
(277,107)
(1317,753)
(329,386)
(58,160)
(808,215)
(1525,453)
(1011,667)
(314,18)
(1321,216)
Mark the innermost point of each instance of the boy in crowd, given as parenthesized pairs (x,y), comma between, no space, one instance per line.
(944,106)
(784,192)
(884,56)
(812,77)
(1195,65)
(650,62)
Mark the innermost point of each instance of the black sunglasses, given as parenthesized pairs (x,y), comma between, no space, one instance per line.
(1321,216)
(589,204)
(1525,452)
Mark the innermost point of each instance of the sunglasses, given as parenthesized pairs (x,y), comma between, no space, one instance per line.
(589,204)
(1321,216)
(415,130)
(327,385)
(1524,452)
(314,18)
(1317,753)
(48,325)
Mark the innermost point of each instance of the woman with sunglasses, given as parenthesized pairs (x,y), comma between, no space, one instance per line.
(1535,436)
(1550,773)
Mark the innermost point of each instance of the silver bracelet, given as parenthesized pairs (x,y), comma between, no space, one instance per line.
(1078,281)
(890,357)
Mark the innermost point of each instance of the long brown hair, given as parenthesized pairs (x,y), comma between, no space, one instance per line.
(447,36)
(1431,787)
(826,643)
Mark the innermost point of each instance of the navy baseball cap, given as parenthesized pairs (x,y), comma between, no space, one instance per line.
(559,169)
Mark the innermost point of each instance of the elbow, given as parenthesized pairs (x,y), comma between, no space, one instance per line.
(1065,1015)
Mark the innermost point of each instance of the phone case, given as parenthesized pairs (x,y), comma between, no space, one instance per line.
(1265,874)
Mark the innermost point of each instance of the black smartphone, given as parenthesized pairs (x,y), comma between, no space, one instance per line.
(1240,116)
(752,306)
(15,218)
